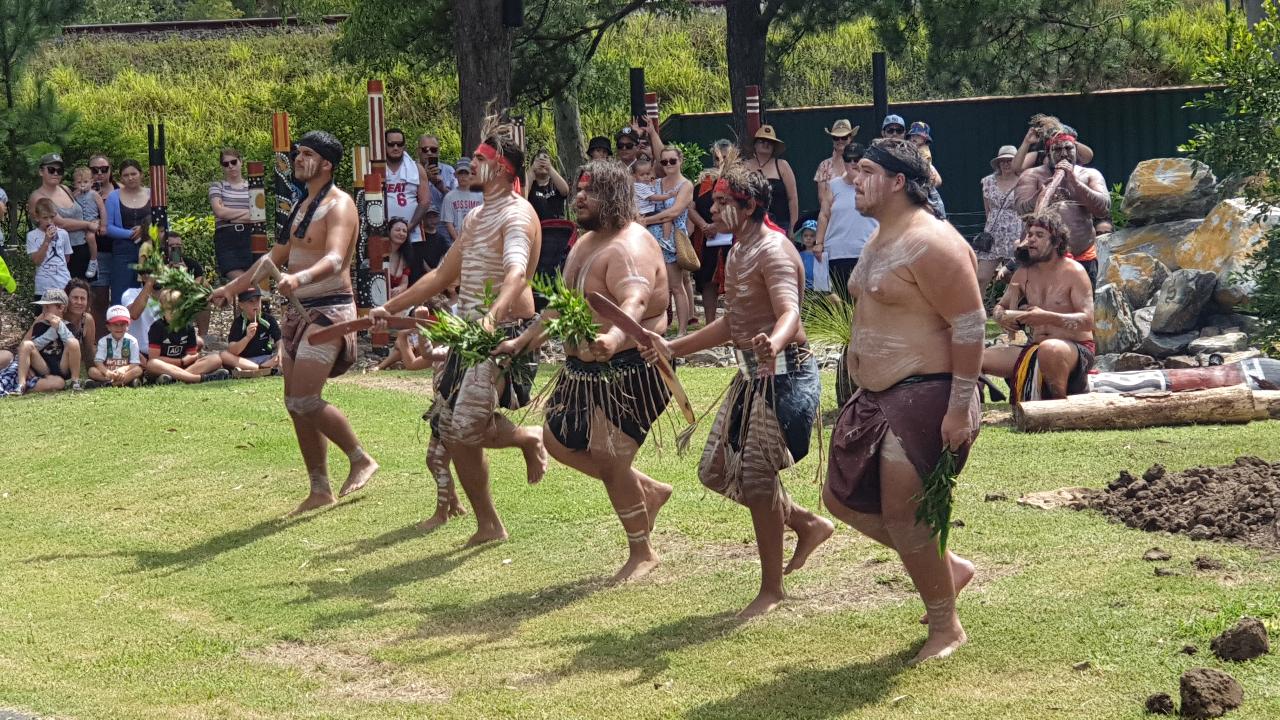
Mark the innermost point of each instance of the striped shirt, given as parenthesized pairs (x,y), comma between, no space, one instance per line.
(232,197)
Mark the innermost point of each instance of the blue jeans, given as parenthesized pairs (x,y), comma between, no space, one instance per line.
(124,255)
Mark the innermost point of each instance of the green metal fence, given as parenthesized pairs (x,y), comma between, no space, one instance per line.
(1122,126)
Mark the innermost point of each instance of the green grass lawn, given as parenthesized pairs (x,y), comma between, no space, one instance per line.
(147,574)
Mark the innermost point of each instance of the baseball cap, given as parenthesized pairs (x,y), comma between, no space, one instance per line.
(53,296)
(50,159)
(433,210)
(892,120)
(626,132)
(118,314)
(252,293)
(464,165)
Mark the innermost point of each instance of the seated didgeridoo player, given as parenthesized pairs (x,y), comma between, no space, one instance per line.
(918,330)
(607,397)
(1050,294)
(766,421)
(497,249)
(318,244)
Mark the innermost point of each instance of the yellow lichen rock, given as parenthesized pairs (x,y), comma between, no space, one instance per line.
(1223,243)
(1168,189)
(1137,275)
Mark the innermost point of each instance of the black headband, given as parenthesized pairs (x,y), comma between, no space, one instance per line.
(325,145)
(886,160)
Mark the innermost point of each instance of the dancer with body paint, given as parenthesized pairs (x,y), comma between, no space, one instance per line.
(607,397)
(317,246)
(918,332)
(497,249)
(765,423)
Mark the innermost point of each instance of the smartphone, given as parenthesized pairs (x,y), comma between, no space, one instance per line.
(433,161)
(97,186)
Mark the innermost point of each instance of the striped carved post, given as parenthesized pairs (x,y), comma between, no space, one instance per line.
(159,179)
(753,111)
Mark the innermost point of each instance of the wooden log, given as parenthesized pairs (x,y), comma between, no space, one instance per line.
(1266,404)
(1099,411)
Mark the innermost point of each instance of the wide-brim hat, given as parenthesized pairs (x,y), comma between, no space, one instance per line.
(766,133)
(1005,152)
(842,128)
(53,296)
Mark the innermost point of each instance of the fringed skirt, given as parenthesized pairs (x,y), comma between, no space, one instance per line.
(627,391)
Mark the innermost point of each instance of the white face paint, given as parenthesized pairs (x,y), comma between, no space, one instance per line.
(969,328)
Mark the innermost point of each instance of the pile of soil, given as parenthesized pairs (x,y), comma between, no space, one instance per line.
(1238,502)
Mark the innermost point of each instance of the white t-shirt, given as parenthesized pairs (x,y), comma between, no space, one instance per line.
(457,205)
(118,354)
(847,230)
(52,272)
(142,326)
(402,194)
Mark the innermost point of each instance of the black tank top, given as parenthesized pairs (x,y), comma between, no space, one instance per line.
(779,208)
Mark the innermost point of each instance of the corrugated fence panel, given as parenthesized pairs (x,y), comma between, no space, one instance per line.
(1122,126)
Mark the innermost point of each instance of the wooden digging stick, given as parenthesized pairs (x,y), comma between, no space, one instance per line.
(333,332)
(606,309)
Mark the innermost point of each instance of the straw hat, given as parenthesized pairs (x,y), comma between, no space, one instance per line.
(766,133)
(1007,152)
(842,128)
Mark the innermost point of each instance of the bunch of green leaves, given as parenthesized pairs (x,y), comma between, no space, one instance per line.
(182,297)
(468,338)
(573,323)
(935,499)
(1119,218)
(828,320)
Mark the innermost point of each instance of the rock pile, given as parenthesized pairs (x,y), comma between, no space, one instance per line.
(1169,285)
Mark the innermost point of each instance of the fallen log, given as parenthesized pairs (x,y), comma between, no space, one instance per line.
(1108,411)
(1266,404)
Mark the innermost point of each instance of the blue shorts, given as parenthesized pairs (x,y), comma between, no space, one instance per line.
(103,278)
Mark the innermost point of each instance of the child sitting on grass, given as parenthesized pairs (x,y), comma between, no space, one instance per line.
(253,344)
(175,354)
(52,355)
(118,361)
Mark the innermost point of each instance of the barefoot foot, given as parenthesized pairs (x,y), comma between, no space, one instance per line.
(940,645)
(358,477)
(655,496)
(962,572)
(314,501)
(440,517)
(535,454)
(636,567)
(808,537)
(764,603)
(486,536)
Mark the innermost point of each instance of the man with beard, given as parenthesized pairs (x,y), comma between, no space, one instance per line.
(1081,197)
(918,332)
(317,247)
(1051,297)
(607,397)
(497,249)
(765,423)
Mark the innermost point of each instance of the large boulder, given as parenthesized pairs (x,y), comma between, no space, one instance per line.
(1182,296)
(1169,189)
(1113,328)
(1159,240)
(1223,243)
(1163,346)
(1137,275)
(1221,344)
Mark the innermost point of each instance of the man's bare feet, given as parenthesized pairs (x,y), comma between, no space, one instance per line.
(535,453)
(764,602)
(656,495)
(962,572)
(314,501)
(808,537)
(489,535)
(358,477)
(940,645)
(640,563)
(442,515)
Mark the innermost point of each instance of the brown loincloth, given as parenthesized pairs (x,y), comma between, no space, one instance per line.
(913,410)
(322,311)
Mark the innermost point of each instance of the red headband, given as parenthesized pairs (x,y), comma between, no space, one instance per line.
(489,152)
(722,186)
(1060,138)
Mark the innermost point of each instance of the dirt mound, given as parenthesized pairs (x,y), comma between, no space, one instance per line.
(1209,693)
(1245,641)
(1238,502)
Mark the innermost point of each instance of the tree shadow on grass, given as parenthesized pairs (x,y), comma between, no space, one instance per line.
(648,652)
(804,692)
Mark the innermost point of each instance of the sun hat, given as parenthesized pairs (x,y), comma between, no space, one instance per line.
(766,133)
(921,129)
(53,296)
(842,128)
(118,314)
(1006,152)
(600,142)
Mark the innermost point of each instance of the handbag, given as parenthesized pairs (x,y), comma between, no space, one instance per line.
(983,241)
(686,257)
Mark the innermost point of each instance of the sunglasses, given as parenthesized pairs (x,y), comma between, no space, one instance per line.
(100,169)
(53,170)
(894,130)
(396,144)
(670,161)
(627,146)
(231,163)
(429,149)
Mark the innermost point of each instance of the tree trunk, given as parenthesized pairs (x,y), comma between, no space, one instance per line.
(483,50)
(1106,411)
(745,34)
(569,139)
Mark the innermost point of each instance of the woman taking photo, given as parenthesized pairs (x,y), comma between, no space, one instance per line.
(229,198)
(128,218)
(711,244)
(784,204)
